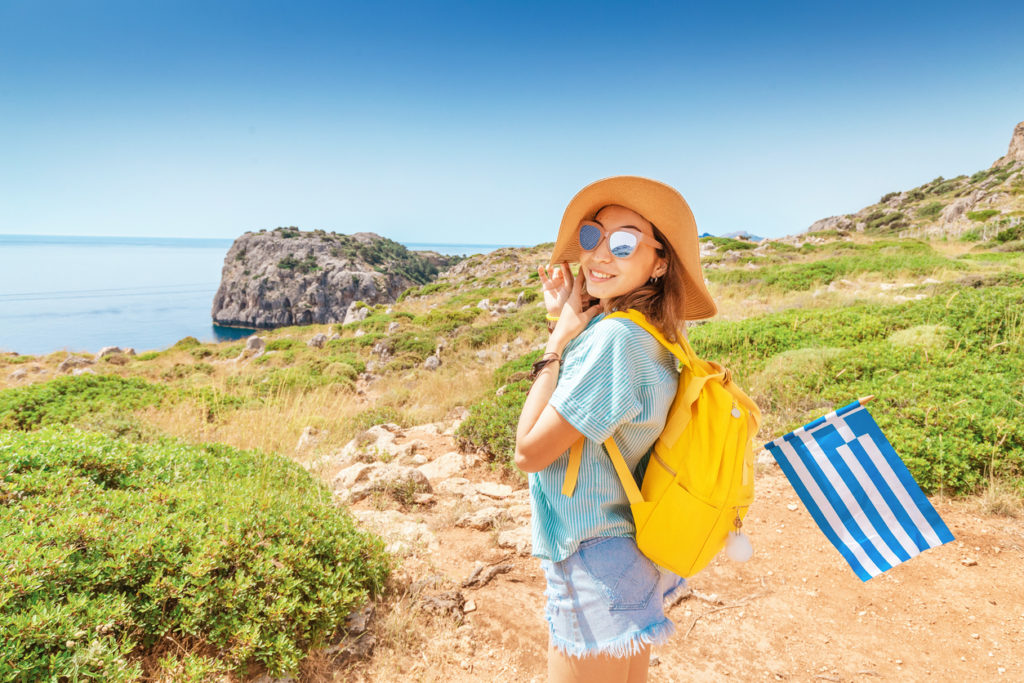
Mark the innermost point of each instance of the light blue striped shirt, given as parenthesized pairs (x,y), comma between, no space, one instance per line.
(615,380)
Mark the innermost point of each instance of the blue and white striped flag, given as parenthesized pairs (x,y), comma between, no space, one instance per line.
(859,491)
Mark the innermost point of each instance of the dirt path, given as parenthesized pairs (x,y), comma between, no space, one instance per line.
(794,612)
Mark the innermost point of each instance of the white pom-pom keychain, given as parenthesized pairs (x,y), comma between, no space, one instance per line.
(737,546)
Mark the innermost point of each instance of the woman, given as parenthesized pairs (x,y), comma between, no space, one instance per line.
(636,243)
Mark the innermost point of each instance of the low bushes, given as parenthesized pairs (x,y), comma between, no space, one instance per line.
(110,550)
(71,400)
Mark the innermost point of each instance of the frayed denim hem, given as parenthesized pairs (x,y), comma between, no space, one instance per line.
(677,593)
(623,646)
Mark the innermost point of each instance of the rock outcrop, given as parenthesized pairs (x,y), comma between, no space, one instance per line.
(983,204)
(1016,151)
(289,277)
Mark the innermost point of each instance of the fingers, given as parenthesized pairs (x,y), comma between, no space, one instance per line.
(544,279)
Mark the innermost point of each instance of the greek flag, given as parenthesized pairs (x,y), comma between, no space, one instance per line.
(859,491)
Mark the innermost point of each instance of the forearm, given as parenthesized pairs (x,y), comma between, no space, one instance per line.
(540,393)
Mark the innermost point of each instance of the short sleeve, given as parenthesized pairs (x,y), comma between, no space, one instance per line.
(599,387)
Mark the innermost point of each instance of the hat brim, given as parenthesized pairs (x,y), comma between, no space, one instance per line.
(660,204)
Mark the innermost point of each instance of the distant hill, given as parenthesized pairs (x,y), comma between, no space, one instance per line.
(743,235)
(984,204)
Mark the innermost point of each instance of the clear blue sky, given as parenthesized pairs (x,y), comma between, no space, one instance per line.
(475,122)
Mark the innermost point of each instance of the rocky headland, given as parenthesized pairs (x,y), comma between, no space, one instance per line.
(287,276)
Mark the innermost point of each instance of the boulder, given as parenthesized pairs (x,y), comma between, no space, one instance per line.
(317,341)
(447,466)
(108,351)
(72,362)
(356,482)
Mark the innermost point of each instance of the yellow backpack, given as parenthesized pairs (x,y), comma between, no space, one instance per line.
(700,478)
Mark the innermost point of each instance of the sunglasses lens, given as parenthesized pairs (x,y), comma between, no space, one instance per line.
(590,236)
(622,244)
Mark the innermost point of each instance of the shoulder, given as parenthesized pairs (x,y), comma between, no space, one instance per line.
(620,334)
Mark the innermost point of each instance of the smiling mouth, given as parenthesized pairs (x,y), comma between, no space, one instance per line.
(597,276)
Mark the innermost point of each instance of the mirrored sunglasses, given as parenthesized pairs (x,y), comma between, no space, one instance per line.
(622,242)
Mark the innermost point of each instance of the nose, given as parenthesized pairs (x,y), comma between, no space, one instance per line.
(602,252)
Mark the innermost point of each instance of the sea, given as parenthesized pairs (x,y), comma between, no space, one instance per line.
(80,294)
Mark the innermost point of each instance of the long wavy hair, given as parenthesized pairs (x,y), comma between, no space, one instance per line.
(660,300)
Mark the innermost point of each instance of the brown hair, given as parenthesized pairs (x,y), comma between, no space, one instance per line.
(660,300)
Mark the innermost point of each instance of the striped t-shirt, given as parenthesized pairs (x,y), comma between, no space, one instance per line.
(615,380)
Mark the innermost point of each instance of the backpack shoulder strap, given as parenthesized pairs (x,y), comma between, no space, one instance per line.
(683,352)
(621,468)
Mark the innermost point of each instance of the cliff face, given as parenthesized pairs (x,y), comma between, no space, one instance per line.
(986,203)
(289,277)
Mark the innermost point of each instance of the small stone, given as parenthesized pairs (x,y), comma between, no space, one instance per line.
(792,507)
(969,562)
(418,459)
(470,606)
(317,341)
(975,636)
(432,363)
(654,661)
(493,490)
(484,304)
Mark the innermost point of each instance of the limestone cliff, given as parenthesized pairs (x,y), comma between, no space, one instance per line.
(985,204)
(290,277)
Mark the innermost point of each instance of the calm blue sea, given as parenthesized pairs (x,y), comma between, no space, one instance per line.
(84,293)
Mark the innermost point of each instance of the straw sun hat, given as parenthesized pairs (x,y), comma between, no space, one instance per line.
(660,204)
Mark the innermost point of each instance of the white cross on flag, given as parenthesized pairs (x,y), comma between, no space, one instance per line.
(859,491)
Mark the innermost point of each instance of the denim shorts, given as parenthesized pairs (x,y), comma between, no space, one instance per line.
(607,598)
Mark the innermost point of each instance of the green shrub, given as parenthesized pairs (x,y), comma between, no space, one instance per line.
(110,548)
(70,400)
(283,344)
(491,425)
(148,355)
(841,259)
(930,211)
(301,377)
(946,395)
(983,215)
(182,370)
(186,343)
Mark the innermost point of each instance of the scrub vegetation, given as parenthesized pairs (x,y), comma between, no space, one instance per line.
(174,508)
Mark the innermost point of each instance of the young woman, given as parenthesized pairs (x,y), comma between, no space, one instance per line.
(636,243)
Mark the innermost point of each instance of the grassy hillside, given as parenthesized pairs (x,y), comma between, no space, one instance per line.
(934,329)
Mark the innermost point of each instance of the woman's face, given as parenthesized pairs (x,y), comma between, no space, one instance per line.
(608,276)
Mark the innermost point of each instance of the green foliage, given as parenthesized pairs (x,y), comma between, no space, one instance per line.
(930,211)
(302,377)
(948,372)
(491,425)
(887,196)
(186,343)
(74,400)
(306,265)
(148,355)
(283,344)
(110,547)
(983,215)
(839,260)
(728,243)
